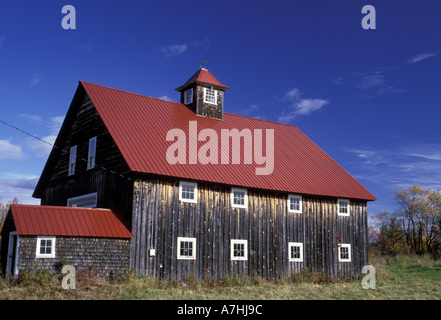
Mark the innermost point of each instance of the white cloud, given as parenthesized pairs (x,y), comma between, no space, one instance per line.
(204,44)
(299,106)
(250,110)
(368,81)
(55,124)
(10,151)
(173,50)
(420,57)
(400,167)
(306,106)
(36,79)
(165,97)
(40,148)
(20,187)
(31,117)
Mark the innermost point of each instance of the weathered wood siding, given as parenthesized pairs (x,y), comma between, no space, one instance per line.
(109,177)
(202,108)
(101,256)
(159,218)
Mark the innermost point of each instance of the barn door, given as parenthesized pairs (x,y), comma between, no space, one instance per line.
(11,262)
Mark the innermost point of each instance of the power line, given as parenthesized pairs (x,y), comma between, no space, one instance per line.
(29,134)
(61,149)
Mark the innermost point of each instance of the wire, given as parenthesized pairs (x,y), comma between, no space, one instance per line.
(61,149)
(31,135)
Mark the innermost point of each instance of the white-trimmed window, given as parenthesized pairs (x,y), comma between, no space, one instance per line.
(186,248)
(92,153)
(188,96)
(239,249)
(295,203)
(239,198)
(344,252)
(188,191)
(72,160)
(295,251)
(210,96)
(84,201)
(45,247)
(343,207)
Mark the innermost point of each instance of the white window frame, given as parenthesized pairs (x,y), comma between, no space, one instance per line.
(46,255)
(91,156)
(344,245)
(346,214)
(294,196)
(245,201)
(208,98)
(9,260)
(195,196)
(193,252)
(71,201)
(295,244)
(188,96)
(72,160)
(245,249)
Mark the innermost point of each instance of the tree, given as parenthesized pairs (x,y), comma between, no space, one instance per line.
(390,238)
(414,226)
(418,215)
(4,208)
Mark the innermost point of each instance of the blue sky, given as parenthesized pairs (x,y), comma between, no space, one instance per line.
(369,98)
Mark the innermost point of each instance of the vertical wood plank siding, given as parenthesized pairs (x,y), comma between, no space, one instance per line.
(159,218)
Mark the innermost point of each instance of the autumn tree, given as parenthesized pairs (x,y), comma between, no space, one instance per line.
(4,207)
(391,238)
(418,215)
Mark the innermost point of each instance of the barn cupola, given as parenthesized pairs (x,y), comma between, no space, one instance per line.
(203,94)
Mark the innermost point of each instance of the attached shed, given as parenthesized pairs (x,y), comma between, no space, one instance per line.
(43,236)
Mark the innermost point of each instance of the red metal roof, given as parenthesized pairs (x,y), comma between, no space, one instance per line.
(68,221)
(203,76)
(139,125)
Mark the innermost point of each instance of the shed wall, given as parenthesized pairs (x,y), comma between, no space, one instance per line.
(102,256)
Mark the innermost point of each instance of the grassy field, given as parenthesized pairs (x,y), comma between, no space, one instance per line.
(396,279)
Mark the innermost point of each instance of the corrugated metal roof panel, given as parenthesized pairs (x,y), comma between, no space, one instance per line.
(68,221)
(139,126)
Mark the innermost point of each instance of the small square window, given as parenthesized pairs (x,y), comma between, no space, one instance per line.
(295,203)
(210,96)
(188,96)
(344,252)
(186,248)
(188,192)
(343,207)
(295,250)
(45,247)
(239,198)
(239,249)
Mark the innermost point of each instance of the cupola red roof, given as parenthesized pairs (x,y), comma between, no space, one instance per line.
(204,77)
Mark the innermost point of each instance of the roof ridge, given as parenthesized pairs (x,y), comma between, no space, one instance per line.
(128,92)
(150,97)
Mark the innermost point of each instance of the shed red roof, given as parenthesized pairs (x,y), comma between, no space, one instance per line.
(68,221)
(139,126)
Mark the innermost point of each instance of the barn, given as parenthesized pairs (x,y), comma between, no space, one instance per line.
(204,192)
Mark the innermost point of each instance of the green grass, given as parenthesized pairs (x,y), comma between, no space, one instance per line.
(396,278)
